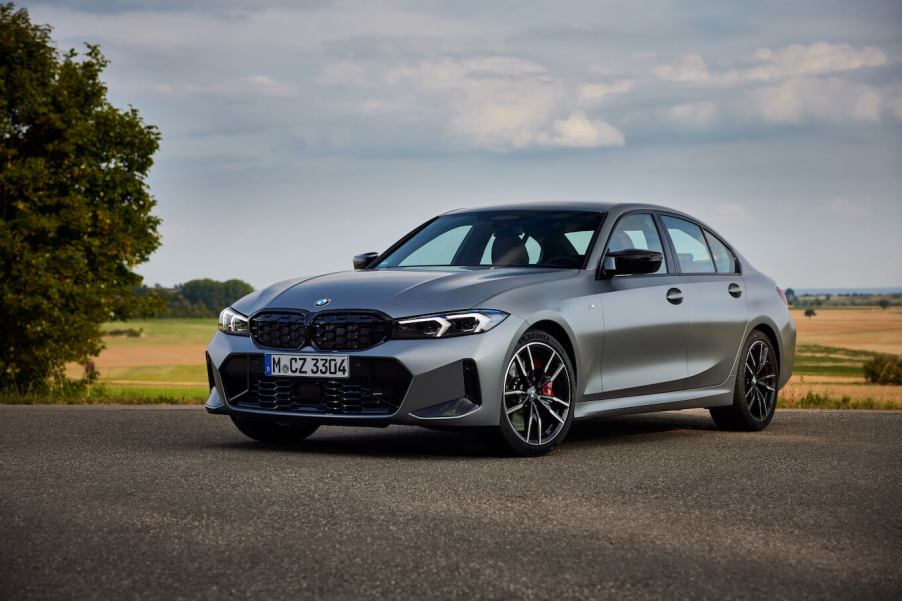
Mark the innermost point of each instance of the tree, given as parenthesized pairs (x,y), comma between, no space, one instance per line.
(213,295)
(74,201)
(810,312)
(883,303)
(791,297)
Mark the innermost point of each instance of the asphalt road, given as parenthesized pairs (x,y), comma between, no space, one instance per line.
(169,503)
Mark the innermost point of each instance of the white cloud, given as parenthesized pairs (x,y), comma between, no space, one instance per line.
(690,69)
(697,114)
(790,84)
(798,100)
(253,85)
(577,131)
(504,103)
(594,92)
(768,65)
(798,59)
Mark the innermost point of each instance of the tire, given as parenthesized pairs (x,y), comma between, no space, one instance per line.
(549,361)
(755,392)
(270,430)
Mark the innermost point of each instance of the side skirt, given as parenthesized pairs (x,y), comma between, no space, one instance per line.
(662,401)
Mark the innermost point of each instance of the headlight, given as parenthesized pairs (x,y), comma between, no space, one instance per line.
(446,325)
(233,322)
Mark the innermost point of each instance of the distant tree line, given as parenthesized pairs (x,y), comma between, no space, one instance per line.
(196,298)
(854,299)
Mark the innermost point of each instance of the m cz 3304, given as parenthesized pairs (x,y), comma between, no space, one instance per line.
(516,320)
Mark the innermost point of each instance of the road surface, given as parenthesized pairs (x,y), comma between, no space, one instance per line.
(168,503)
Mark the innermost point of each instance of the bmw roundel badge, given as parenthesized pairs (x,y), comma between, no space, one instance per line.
(322,302)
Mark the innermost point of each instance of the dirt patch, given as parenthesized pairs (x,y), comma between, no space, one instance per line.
(131,356)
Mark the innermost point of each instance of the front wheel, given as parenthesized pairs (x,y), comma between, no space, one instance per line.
(537,397)
(270,430)
(755,394)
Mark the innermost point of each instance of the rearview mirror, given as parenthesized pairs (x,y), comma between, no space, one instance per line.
(632,261)
(362,261)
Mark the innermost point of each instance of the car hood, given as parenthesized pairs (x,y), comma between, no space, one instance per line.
(398,292)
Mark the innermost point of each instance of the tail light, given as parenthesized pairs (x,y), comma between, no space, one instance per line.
(782,295)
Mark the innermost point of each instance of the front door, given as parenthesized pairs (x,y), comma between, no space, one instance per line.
(646,325)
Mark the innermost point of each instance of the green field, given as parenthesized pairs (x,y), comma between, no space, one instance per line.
(817,360)
(162,331)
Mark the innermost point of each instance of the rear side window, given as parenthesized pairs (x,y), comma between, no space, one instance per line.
(689,244)
(723,257)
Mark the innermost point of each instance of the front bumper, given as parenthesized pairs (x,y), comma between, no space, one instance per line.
(453,382)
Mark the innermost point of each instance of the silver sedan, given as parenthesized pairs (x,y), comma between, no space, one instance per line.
(514,320)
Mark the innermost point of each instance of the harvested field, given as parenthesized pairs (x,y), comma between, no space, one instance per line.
(877,330)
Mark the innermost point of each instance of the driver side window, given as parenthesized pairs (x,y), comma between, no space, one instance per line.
(637,231)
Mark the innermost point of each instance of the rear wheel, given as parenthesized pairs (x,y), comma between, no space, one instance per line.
(271,430)
(537,397)
(755,395)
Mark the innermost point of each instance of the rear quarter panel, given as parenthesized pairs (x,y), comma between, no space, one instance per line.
(767,309)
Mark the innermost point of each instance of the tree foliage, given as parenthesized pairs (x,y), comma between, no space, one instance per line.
(200,298)
(74,201)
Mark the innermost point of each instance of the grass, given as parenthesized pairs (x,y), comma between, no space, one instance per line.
(819,360)
(812,400)
(183,374)
(103,394)
(161,331)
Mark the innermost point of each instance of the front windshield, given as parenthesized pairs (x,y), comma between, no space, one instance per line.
(523,238)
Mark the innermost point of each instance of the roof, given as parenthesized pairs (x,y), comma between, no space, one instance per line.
(560,206)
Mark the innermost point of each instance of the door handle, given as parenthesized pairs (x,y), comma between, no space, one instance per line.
(675,296)
(735,290)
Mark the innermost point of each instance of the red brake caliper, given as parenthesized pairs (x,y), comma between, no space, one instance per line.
(547,388)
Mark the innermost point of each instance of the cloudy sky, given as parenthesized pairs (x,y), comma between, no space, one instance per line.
(296,134)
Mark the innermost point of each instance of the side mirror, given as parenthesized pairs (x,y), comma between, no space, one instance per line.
(629,262)
(362,261)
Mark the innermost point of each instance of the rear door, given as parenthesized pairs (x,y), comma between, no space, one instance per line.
(646,326)
(714,299)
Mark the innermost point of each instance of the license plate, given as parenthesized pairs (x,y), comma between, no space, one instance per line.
(306,366)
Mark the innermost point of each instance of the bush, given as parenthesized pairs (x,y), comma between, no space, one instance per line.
(129,332)
(884,369)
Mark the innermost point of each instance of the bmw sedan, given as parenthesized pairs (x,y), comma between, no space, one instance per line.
(513,320)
